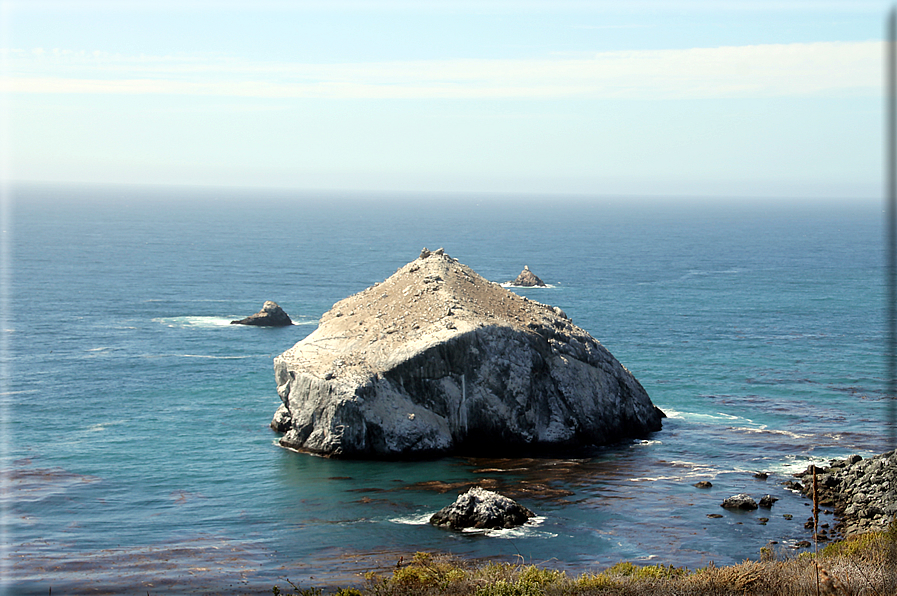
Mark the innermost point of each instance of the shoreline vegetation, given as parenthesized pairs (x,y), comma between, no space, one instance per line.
(862,564)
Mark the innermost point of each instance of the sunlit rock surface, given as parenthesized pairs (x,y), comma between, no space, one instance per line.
(438,360)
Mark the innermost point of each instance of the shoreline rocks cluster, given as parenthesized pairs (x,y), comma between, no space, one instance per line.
(862,492)
(437,360)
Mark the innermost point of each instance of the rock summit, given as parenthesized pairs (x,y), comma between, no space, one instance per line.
(271,315)
(437,360)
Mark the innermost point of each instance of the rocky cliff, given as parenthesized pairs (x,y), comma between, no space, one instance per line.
(437,360)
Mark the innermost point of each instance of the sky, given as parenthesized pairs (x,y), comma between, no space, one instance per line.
(721,98)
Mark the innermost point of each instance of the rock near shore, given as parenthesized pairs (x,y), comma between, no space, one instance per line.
(483,509)
(438,360)
(271,315)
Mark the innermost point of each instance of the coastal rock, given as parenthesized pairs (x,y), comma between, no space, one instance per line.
(740,501)
(281,421)
(271,315)
(437,360)
(528,279)
(767,501)
(481,508)
(863,492)
(703,484)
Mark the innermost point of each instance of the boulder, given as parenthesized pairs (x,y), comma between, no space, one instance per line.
(740,501)
(483,509)
(528,279)
(271,315)
(438,360)
(767,501)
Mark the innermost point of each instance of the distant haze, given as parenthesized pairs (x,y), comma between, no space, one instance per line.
(662,98)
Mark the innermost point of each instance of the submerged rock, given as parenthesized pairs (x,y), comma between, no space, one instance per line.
(528,279)
(437,360)
(481,508)
(271,315)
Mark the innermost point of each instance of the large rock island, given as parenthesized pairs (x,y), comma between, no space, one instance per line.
(438,360)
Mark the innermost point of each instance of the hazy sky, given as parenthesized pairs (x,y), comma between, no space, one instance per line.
(705,98)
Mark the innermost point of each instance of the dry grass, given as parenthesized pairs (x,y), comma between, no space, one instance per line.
(860,566)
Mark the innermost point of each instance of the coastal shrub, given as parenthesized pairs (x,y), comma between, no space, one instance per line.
(591,582)
(863,565)
(541,576)
(506,588)
(647,572)
(425,573)
(495,572)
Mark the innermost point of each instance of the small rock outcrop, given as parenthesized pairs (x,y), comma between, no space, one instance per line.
(767,501)
(528,279)
(271,315)
(482,509)
(740,501)
(863,492)
(438,360)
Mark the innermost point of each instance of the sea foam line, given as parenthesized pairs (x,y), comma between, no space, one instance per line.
(510,285)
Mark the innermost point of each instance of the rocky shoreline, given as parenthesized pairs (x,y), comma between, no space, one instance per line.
(862,492)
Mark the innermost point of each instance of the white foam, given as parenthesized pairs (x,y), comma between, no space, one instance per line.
(527,530)
(764,430)
(195,321)
(694,416)
(214,357)
(508,284)
(413,520)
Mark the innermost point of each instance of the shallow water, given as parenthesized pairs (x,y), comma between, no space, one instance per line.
(140,452)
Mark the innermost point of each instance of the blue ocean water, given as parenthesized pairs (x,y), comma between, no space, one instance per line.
(139,455)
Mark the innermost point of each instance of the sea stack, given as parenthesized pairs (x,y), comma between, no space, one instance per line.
(528,279)
(271,315)
(437,360)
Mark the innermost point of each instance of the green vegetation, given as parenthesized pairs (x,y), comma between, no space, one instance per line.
(863,565)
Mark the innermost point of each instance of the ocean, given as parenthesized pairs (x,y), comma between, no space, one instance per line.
(138,457)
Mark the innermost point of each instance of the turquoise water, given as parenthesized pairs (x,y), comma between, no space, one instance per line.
(140,458)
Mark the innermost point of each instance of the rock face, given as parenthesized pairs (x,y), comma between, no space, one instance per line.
(767,501)
(481,508)
(528,279)
(740,501)
(863,492)
(271,315)
(438,360)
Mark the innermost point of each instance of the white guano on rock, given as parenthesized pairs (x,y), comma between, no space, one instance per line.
(437,360)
